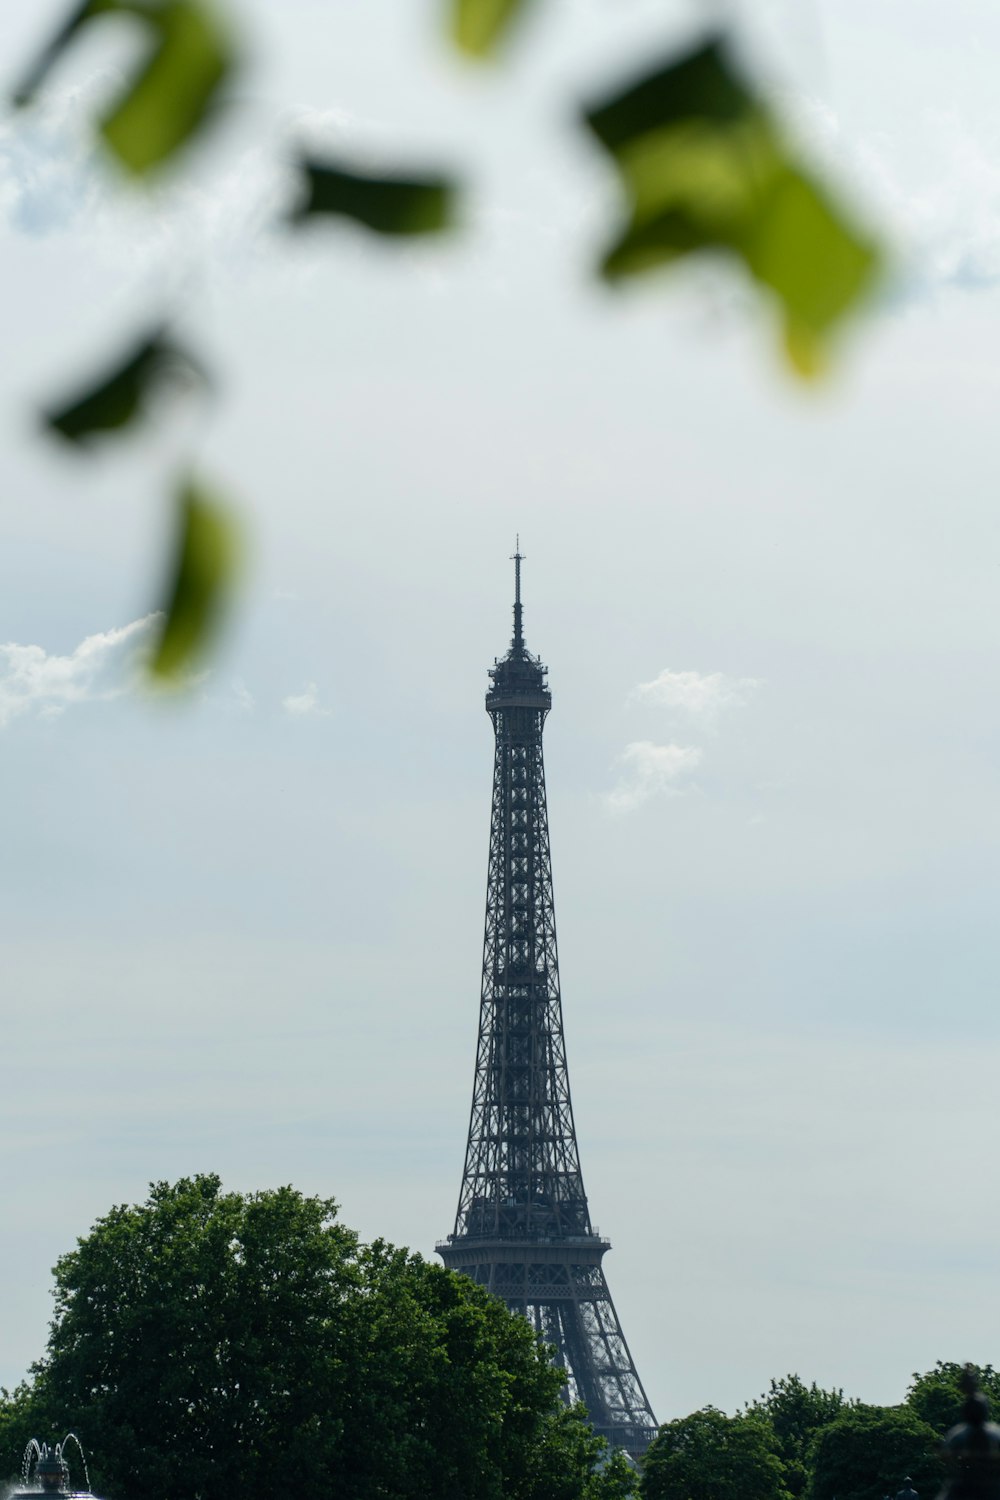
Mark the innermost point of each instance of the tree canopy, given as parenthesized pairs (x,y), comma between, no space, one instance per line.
(709,1456)
(937,1396)
(616,1479)
(206,1343)
(866,1453)
(796,1412)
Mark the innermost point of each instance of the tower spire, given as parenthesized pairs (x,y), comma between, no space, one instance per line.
(517,558)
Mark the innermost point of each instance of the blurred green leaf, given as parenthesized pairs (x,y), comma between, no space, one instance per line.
(119,397)
(388,205)
(202,579)
(180,84)
(707,167)
(54,48)
(191,53)
(477,25)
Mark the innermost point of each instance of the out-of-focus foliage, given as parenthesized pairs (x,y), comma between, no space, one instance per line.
(387,205)
(867,1452)
(478,25)
(937,1397)
(209,1344)
(118,397)
(704,162)
(707,167)
(207,556)
(796,1412)
(709,1456)
(190,55)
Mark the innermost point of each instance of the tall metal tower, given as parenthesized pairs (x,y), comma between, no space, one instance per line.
(523,1225)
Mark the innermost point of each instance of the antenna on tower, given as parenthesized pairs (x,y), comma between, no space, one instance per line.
(517,558)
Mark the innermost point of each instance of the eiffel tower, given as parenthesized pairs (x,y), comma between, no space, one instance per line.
(523,1225)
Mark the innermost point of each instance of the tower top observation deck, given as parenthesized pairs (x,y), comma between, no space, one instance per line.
(518,680)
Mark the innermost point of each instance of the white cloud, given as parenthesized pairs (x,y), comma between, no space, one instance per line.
(299,705)
(102,667)
(650,770)
(700,695)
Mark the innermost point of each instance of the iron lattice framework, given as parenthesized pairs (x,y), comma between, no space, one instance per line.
(523,1225)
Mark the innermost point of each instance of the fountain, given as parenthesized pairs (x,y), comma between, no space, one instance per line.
(45,1471)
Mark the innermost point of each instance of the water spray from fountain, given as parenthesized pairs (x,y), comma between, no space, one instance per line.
(45,1471)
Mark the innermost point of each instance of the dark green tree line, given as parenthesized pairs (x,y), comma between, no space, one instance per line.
(867,1452)
(937,1396)
(709,1456)
(796,1412)
(800,1440)
(207,1343)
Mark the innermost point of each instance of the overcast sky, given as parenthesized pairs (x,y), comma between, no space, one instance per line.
(245,934)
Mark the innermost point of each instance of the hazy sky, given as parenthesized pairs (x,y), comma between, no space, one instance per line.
(244,935)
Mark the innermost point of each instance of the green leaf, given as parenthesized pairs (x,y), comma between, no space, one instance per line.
(119,397)
(387,205)
(202,579)
(54,48)
(173,90)
(477,25)
(707,168)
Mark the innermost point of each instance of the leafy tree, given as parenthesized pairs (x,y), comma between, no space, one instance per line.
(937,1397)
(796,1412)
(452,1395)
(198,1338)
(206,1343)
(558,1469)
(709,1456)
(616,1479)
(866,1453)
(17,1426)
